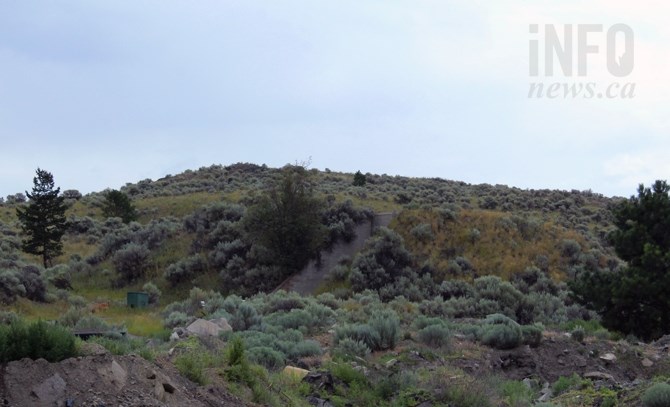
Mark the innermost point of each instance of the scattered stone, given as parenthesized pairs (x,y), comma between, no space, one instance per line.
(203,327)
(599,376)
(647,363)
(50,391)
(317,402)
(608,357)
(295,372)
(581,362)
(321,381)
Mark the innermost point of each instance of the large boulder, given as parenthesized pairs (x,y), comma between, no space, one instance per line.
(222,323)
(203,327)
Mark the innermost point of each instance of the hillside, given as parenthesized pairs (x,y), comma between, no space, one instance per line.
(420,293)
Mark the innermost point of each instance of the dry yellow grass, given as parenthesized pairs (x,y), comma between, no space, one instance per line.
(498,250)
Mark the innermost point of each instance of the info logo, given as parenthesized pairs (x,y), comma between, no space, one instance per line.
(581,46)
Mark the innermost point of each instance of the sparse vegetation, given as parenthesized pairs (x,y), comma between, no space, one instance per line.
(462,271)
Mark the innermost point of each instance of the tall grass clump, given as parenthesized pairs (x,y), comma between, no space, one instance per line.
(19,340)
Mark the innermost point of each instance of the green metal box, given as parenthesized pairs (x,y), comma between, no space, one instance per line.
(137,299)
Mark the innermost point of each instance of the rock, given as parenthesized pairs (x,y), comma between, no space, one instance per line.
(159,391)
(581,362)
(174,337)
(295,372)
(315,401)
(93,349)
(119,374)
(202,327)
(599,376)
(647,363)
(50,391)
(545,397)
(608,357)
(222,323)
(321,381)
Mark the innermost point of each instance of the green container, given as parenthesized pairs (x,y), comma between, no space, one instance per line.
(137,299)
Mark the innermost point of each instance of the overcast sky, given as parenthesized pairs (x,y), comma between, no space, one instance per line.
(102,93)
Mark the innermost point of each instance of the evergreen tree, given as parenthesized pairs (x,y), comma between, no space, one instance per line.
(287,221)
(43,219)
(635,299)
(118,205)
(359,179)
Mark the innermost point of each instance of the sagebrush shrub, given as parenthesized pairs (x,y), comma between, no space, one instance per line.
(532,335)
(131,261)
(435,336)
(349,349)
(153,291)
(361,333)
(578,334)
(501,332)
(176,318)
(10,286)
(267,357)
(387,325)
(184,269)
(245,317)
(657,395)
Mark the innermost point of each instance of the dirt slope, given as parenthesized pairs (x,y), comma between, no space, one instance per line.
(104,380)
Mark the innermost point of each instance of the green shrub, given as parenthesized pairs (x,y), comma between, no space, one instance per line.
(244,317)
(192,365)
(566,383)
(176,318)
(124,346)
(153,291)
(131,261)
(578,334)
(294,319)
(532,335)
(501,332)
(361,333)
(502,336)
(184,269)
(423,321)
(387,325)
(7,317)
(516,393)
(238,369)
(348,374)
(304,349)
(657,395)
(435,336)
(349,349)
(267,357)
(38,340)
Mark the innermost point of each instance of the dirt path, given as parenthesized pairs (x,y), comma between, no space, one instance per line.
(311,277)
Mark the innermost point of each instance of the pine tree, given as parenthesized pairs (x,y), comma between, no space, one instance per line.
(359,179)
(636,298)
(118,205)
(287,221)
(43,219)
